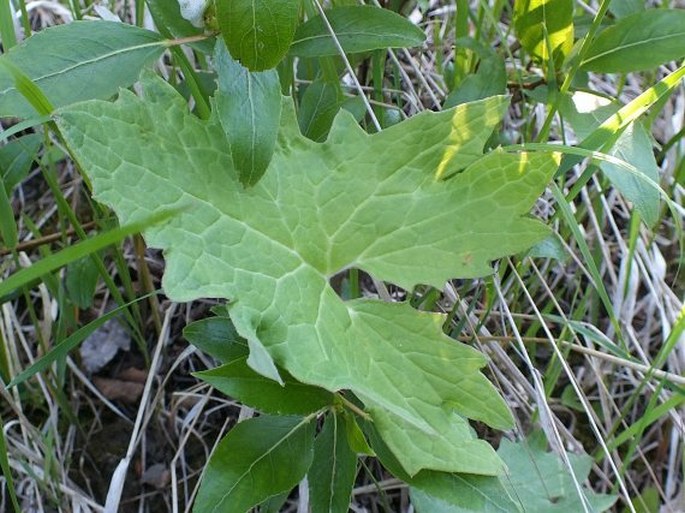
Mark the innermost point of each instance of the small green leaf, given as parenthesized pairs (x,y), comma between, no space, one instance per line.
(168,19)
(541,483)
(82,278)
(638,42)
(249,108)
(236,379)
(358,29)
(77,61)
(259,458)
(217,337)
(545,28)
(16,158)
(635,146)
(258,33)
(320,103)
(439,492)
(333,470)
(490,79)
(585,112)
(355,436)
(551,247)
(8,227)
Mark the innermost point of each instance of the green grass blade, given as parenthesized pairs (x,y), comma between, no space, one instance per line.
(5,467)
(598,283)
(606,133)
(8,228)
(69,343)
(9,37)
(33,94)
(23,125)
(76,252)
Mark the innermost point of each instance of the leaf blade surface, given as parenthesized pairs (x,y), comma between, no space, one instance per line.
(638,42)
(358,29)
(78,61)
(259,458)
(374,202)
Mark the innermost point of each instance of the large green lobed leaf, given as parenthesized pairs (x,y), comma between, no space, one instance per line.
(371,202)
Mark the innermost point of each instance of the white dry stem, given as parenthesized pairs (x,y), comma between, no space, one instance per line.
(116,485)
(546,415)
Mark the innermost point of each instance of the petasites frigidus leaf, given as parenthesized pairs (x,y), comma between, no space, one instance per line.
(259,458)
(368,201)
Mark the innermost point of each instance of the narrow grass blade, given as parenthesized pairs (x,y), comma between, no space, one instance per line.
(7,33)
(23,125)
(69,343)
(77,251)
(23,83)
(8,227)
(5,467)
(607,132)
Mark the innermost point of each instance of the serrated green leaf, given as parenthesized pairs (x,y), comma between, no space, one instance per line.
(334,468)
(236,379)
(545,28)
(258,33)
(371,202)
(249,108)
(361,28)
(638,42)
(541,483)
(78,61)
(259,458)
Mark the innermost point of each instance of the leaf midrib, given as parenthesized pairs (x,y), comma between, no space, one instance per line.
(290,433)
(89,61)
(630,45)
